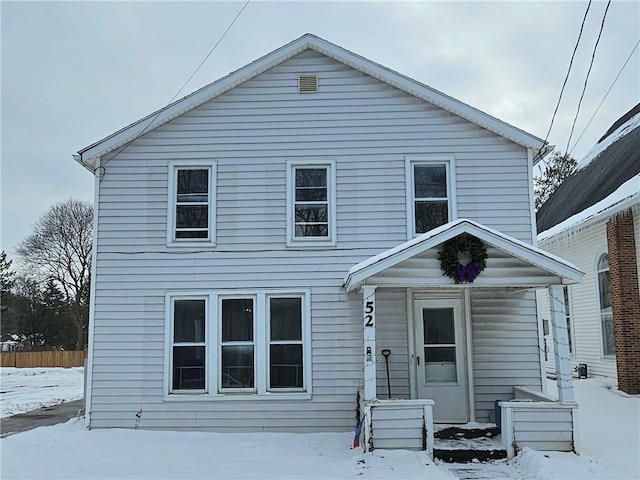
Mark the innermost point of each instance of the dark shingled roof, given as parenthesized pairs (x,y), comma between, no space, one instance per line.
(613,167)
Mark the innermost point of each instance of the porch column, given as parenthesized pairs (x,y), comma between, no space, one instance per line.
(369,322)
(561,344)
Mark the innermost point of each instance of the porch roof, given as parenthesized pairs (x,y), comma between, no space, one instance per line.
(510,262)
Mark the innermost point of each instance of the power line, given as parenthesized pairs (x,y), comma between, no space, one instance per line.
(584,88)
(575,49)
(155,117)
(605,96)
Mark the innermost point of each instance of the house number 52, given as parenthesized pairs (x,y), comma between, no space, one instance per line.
(368,314)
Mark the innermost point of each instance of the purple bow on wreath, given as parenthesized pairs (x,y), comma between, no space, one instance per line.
(467,273)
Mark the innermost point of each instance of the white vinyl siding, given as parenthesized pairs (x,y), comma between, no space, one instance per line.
(583,246)
(505,346)
(368,128)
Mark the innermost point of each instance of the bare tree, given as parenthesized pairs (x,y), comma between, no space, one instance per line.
(59,250)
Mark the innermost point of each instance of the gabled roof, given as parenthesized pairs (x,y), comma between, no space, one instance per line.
(358,274)
(602,177)
(89,154)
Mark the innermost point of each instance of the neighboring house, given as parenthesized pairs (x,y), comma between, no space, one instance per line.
(593,220)
(260,242)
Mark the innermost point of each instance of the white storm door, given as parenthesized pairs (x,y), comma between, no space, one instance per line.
(441,358)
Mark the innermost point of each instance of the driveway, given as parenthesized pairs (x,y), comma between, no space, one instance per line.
(39,418)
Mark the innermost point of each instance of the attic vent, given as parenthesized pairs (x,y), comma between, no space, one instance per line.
(308,83)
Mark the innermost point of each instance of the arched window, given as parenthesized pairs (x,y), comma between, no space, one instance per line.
(606,313)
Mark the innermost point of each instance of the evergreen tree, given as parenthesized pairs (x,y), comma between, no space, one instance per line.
(559,167)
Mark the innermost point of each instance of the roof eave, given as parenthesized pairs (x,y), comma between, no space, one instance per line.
(567,273)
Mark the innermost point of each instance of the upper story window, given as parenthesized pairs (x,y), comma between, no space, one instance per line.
(429,194)
(191,203)
(606,311)
(311,218)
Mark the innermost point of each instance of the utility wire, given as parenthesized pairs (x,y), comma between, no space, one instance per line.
(564,84)
(605,96)
(155,117)
(584,88)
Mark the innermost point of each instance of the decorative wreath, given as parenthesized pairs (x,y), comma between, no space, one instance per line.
(451,266)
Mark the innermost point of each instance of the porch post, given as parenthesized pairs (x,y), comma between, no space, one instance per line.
(369,322)
(561,344)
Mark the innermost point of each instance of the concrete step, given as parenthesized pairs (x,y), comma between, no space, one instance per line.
(482,448)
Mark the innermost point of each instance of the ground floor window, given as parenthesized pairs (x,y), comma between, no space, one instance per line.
(222,343)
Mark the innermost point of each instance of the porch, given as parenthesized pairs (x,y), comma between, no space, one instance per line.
(465,351)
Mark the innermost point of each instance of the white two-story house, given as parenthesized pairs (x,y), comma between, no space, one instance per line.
(260,242)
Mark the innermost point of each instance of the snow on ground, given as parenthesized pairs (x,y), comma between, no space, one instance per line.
(609,423)
(25,389)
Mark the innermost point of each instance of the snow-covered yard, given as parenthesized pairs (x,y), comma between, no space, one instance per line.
(609,429)
(25,389)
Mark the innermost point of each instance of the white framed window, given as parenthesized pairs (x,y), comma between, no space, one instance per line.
(286,345)
(191,203)
(250,344)
(430,193)
(237,344)
(311,203)
(188,354)
(606,310)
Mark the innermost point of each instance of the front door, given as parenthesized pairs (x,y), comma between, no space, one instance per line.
(441,358)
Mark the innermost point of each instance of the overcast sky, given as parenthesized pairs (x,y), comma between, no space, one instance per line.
(73,73)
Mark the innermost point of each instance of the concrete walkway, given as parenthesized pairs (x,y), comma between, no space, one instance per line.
(39,418)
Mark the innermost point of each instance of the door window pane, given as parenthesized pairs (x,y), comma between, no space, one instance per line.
(438,325)
(440,364)
(439,345)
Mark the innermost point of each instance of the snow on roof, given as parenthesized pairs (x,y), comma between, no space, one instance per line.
(627,193)
(598,148)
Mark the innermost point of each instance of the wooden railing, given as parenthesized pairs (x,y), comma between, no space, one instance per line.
(65,359)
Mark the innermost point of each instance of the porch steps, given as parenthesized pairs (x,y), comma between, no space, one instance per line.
(485,471)
(468,443)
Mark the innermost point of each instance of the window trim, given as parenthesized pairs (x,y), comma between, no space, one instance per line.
(599,305)
(221,343)
(213,333)
(173,168)
(410,162)
(292,240)
(270,342)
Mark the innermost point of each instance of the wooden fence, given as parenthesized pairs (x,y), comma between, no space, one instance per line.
(43,359)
